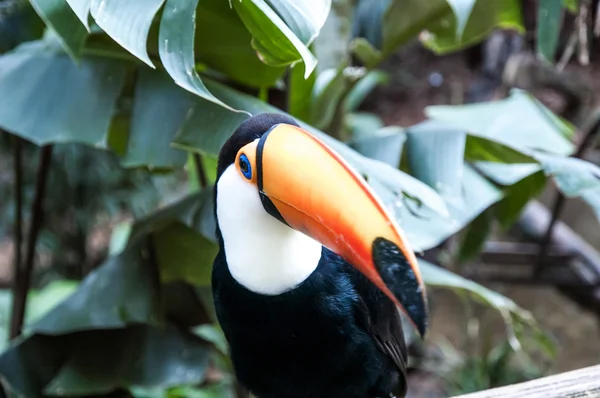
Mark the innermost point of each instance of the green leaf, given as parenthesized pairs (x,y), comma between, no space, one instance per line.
(272,38)
(507,174)
(176,47)
(58,16)
(304,17)
(368,55)
(229,49)
(40,302)
(59,101)
(480,149)
(571,175)
(425,229)
(363,88)
(300,93)
(517,196)
(476,234)
(571,5)
(385,145)
(403,20)
(462,11)
(328,90)
(518,121)
(434,275)
(81,8)
(127,22)
(119,292)
(159,109)
(184,255)
(138,356)
(436,157)
(485,16)
(549,21)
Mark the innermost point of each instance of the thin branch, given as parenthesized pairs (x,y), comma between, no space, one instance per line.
(18,239)
(569,51)
(23,281)
(201,173)
(582,27)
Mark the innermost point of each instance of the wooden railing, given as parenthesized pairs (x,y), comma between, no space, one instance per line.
(582,383)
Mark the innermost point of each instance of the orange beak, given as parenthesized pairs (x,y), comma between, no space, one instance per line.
(312,189)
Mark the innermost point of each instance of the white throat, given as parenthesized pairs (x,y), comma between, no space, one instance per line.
(263,254)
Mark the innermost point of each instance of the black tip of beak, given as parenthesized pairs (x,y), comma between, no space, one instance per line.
(399,277)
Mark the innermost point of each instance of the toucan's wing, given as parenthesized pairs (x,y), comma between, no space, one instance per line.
(381,318)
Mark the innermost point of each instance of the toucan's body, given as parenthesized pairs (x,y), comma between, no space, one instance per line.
(308,295)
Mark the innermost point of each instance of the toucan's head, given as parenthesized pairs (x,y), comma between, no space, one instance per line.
(281,193)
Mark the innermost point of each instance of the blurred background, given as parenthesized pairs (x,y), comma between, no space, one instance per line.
(476,122)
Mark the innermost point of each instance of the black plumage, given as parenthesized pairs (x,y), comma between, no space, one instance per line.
(335,335)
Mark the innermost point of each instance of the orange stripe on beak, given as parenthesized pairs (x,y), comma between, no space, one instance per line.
(316,192)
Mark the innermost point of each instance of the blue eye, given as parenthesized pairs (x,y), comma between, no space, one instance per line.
(245,166)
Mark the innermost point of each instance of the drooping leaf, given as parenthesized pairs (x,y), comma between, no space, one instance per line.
(436,157)
(58,16)
(159,109)
(176,47)
(304,17)
(462,12)
(81,8)
(475,236)
(229,49)
(272,38)
(118,293)
(127,22)
(549,21)
(300,93)
(426,229)
(363,88)
(403,20)
(434,275)
(572,176)
(518,121)
(59,101)
(366,53)
(328,90)
(184,255)
(485,16)
(140,356)
(517,196)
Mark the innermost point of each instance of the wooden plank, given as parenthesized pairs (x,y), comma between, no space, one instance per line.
(578,383)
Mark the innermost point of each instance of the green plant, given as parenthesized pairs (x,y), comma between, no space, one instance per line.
(162,84)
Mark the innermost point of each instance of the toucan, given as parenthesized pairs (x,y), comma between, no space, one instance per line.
(312,271)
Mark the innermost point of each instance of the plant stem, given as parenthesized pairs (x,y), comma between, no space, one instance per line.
(23,281)
(201,173)
(18,243)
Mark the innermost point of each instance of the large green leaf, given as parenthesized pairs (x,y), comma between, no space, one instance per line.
(403,20)
(425,229)
(304,17)
(176,47)
(436,157)
(82,10)
(517,196)
(59,101)
(59,17)
(549,20)
(572,176)
(229,49)
(434,275)
(120,292)
(471,23)
(127,22)
(272,38)
(329,88)
(383,144)
(518,121)
(99,361)
(159,109)
(138,356)
(299,93)
(507,174)
(209,127)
